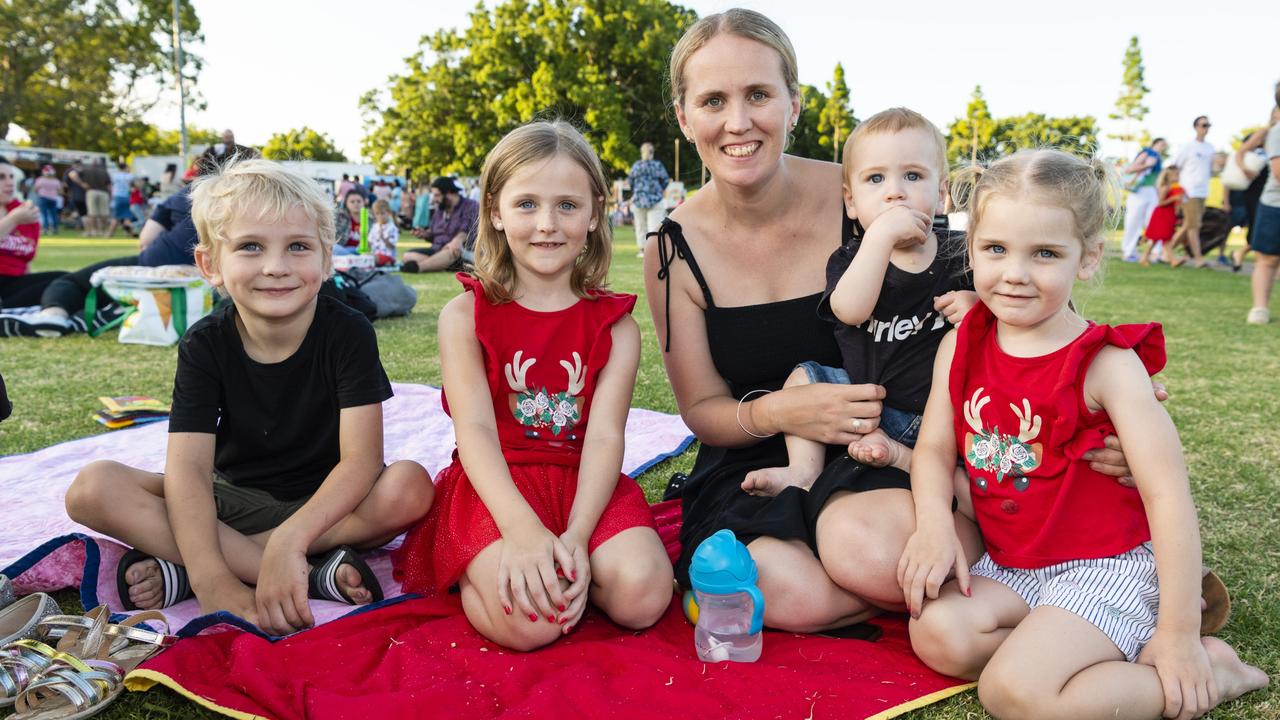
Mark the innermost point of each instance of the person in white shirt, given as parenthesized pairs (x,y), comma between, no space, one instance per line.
(1195,161)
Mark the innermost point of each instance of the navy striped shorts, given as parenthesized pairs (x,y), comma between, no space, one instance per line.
(1118,594)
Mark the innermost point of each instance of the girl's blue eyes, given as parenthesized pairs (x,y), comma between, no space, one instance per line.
(529,205)
(877,178)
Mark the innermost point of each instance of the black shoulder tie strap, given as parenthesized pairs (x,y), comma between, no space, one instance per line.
(670,232)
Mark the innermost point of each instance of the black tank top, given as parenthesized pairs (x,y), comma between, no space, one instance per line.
(753,347)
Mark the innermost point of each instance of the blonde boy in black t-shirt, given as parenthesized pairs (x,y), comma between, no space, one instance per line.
(275,444)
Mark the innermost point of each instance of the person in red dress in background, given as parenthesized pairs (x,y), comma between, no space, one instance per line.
(1164,219)
(532,521)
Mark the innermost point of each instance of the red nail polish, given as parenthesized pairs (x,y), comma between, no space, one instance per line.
(564,620)
(968,592)
(560,572)
(533,618)
(551,618)
(561,608)
(573,577)
(506,609)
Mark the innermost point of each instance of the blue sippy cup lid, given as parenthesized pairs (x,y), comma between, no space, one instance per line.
(722,566)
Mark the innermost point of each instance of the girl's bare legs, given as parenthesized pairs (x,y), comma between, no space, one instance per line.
(479,587)
(1056,664)
(631,578)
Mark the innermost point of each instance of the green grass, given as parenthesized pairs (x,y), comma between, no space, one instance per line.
(1224,377)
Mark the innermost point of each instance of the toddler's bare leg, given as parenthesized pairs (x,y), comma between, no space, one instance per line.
(804,458)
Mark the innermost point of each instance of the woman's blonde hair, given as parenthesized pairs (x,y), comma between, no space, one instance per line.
(272,189)
(1085,187)
(539,140)
(743,23)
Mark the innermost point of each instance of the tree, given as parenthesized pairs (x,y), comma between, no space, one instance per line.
(1075,134)
(1129,108)
(837,119)
(973,136)
(72,72)
(302,144)
(601,64)
(806,139)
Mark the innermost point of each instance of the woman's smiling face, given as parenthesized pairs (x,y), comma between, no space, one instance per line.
(737,108)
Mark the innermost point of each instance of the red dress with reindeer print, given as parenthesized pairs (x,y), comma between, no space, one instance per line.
(1021,427)
(542,369)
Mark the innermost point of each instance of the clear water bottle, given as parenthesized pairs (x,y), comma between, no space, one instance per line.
(730,607)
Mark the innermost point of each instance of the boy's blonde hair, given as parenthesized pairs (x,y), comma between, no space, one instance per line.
(381,206)
(219,198)
(1083,186)
(743,23)
(895,120)
(539,140)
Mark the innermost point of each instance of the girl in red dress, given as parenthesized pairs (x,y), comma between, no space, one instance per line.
(534,517)
(1082,576)
(1164,219)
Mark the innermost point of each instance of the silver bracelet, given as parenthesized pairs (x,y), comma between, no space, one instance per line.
(738,414)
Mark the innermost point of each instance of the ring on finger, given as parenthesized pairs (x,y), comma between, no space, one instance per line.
(857,424)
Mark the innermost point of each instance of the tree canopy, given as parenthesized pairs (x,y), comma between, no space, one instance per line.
(1129,108)
(302,144)
(600,64)
(979,137)
(77,73)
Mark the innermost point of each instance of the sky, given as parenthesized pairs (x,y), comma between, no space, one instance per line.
(271,66)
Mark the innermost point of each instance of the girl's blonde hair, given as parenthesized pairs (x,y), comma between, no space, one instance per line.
(217,199)
(539,140)
(381,207)
(743,23)
(1086,187)
(1165,179)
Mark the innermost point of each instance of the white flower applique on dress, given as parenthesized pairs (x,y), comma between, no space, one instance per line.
(1005,455)
(540,408)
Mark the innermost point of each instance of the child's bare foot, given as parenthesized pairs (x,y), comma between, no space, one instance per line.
(1233,676)
(879,450)
(146,585)
(771,481)
(352,585)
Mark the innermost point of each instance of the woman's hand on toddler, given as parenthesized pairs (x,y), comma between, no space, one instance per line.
(928,559)
(527,579)
(1186,675)
(830,414)
(282,590)
(579,577)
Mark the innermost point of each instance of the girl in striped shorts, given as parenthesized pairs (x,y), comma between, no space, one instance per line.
(1086,602)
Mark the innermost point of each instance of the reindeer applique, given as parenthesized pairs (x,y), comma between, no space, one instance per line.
(539,408)
(1005,454)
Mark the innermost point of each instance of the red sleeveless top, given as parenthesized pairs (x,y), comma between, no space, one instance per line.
(542,369)
(1022,425)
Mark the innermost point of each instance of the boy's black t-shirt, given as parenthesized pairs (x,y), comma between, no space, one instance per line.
(895,347)
(276,424)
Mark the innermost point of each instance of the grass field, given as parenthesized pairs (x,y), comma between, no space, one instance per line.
(1223,375)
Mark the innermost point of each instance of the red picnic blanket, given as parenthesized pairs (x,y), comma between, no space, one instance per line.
(421,658)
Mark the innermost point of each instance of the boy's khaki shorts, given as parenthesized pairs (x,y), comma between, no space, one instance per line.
(250,511)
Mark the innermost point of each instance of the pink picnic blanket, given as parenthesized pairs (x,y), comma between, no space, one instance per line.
(41,549)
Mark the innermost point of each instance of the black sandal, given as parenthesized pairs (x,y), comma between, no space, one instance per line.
(177,586)
(322,580)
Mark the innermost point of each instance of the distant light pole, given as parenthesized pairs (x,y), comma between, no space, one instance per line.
(182,90)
